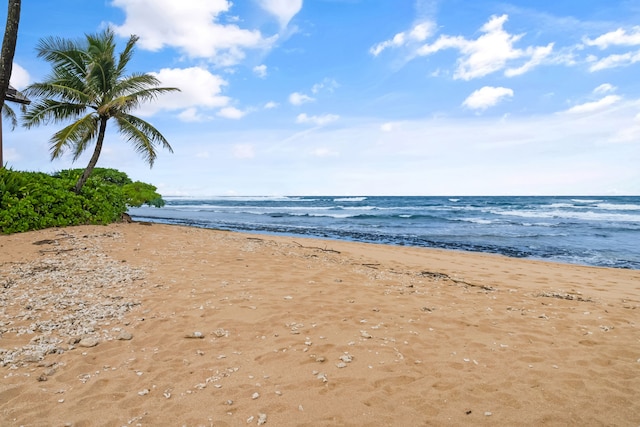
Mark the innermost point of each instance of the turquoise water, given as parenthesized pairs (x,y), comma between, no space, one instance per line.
(599,231)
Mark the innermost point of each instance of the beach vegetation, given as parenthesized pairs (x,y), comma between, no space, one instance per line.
(89,86)
(36,200)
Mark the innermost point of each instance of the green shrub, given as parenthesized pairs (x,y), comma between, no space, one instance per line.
(140,193)
(35,200)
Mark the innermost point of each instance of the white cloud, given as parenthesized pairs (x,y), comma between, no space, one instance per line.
(198,88)
(192,115)
(243,151)
(538,55)
(190,26)
(297,98)
(419,33)
(231,113)
(283,10)
(618,37)
(486,97)
(613,61)
(19,77)
(590,107)
(317,120)
(327,84)
(270,105)
(260,71)
(604,88)
(490,52)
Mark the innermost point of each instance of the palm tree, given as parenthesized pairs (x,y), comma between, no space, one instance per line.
(88,85)
(6,61)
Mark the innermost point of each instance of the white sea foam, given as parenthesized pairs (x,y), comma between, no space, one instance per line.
(478,221)
(618,207)
(350,199)
(588,215)
(564,205)
(585,200)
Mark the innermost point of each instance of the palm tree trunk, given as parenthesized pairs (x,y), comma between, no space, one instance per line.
(94,158)
(6,57)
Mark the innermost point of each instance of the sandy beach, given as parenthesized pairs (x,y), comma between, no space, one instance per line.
(147,325)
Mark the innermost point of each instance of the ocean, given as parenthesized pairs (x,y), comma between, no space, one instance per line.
(597,231)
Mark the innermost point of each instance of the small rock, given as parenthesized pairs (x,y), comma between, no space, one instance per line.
(347,358)
(255,395)
(220,332)
(124,335)
(195,334)
(341,365)
(88,342)
(365,334)
(262,419)
(143,392)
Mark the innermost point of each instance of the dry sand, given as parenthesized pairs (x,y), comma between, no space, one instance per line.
(149,325)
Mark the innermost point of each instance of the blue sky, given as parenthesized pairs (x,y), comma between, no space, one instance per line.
(366,97)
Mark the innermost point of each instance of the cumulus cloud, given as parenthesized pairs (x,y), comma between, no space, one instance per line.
(198,88)
(326,84)
(537,54)
(192,115)
(492,51)
(590,107)
(193,27)
(317,120)
(614,61)
(604,88)
(618,37)
(270,105)
(419,33)
(486,97)
(231,113)
(20,77)
(283,10)
(297,98)
(260,71)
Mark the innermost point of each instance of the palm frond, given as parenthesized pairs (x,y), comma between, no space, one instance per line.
(61,90)
(125,55)
(9,114)
(77,135)
(49,110)
(63,54)
(143,136)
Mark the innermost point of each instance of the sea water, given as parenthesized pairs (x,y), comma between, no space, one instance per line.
(598,231)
